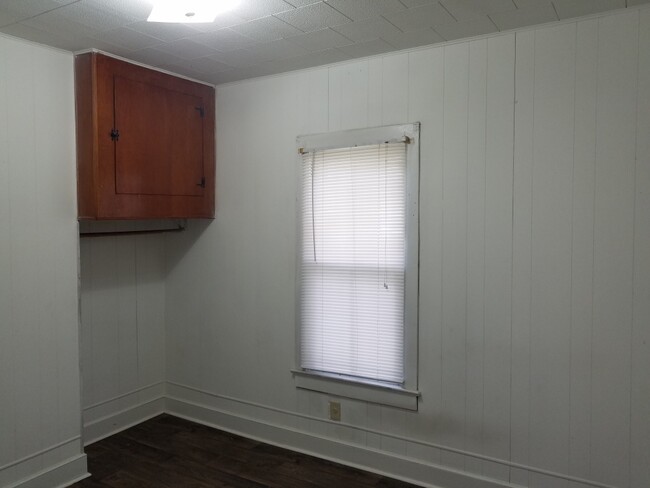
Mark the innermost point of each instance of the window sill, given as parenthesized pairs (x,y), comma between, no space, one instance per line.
(369,392)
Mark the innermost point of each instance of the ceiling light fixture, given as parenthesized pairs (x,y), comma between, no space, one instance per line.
(189,11)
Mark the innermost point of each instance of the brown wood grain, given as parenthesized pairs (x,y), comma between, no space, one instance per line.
(167,451)
(164,150)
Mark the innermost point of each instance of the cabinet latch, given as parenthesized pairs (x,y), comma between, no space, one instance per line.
(115,135)
(202,184)
(201,111)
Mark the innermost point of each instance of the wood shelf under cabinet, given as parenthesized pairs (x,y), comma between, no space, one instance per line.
(145,142)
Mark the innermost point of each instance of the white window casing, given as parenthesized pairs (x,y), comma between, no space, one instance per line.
(357,273)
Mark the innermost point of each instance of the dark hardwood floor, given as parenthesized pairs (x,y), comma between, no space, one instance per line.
(167,451)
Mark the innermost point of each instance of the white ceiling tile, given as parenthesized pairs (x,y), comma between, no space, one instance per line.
(470,28)
(136,10)
(369,48)
(567,9)
(227,19)
(302,3)
(95,18)
(269,36)
(164,32)
(405,40)
(129,39)
(420,17)
(210,66)
(95,43)
(240,58)
(416,3)
(232,75)
(183,70)
(24,9)
(367,30)
(531,3)
(186,49)
(320,40)
(7,18)
(59,26)
(328,56)
(314,17)
(279,49)
(255,9)
(524,17)
(266,29)
(37,35)
(464,10)
(365,9)
(223,40)
(154,57)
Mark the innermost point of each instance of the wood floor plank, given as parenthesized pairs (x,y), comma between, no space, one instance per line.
(170,452)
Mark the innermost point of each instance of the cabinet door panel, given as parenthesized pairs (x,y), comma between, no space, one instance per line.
(160,145)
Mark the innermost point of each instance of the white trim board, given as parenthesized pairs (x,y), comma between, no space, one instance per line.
(371,460)
(120,420)
(276,427)
(215,411)
(31,473)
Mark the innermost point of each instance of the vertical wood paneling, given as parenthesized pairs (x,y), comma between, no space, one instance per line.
(313,118)
(126,324)
(375,91)
(122,316)
(59,208)
(394,109)
(521,253)
(274,243)
(86,330)
(582,259)
(39,361)
(613,247)
(476,139)
(150,309)
(498,250)
(529,254)
(56,221)
(640,397)
(7,362)
(105,305)
(313,101)
(395,87)
(454,263)
(348,110)
(426,105)
(551,251)
(25,253)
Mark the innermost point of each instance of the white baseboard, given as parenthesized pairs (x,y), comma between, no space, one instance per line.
(56,467)
(362,457)
(117,414)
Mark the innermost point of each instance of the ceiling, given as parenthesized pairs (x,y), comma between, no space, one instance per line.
(262,37)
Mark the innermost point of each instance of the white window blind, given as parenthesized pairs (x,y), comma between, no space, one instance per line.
(352,276)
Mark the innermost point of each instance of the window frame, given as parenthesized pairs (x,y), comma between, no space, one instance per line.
(405,395)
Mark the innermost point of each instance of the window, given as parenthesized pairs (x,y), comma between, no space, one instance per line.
(358,260)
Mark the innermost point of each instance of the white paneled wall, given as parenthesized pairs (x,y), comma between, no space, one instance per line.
(534,269)
(122,331)
(39,322)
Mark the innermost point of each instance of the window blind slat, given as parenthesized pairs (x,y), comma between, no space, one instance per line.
(353,259)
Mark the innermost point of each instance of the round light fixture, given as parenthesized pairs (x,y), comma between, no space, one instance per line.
(189,11)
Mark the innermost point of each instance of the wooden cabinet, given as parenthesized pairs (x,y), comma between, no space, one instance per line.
(145,142)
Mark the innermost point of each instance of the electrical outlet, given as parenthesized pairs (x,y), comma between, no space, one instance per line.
(335,411)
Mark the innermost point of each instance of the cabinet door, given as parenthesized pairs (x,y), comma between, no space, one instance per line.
(159,150)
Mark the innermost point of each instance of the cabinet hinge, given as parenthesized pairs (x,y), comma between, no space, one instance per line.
(202,183)
(115,135)
(201,111)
